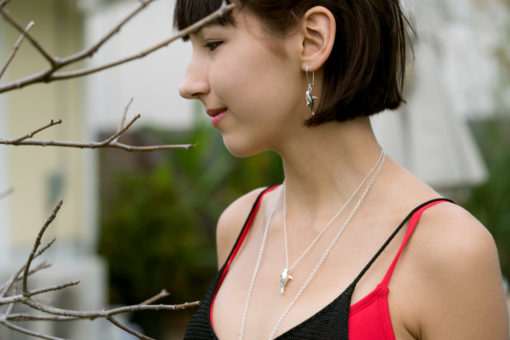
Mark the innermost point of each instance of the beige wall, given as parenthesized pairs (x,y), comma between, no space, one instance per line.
(41,176)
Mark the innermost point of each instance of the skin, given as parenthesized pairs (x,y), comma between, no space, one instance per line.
(447,284)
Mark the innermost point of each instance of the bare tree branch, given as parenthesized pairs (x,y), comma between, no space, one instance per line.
(52,289)
(31,317)
(7,17)
(33,133)
(124,115)
(37,243)
(160,295)
(59,314)
(127,329)
(89,52)
(110,142)
(7,286)
(26,331)
(15,48)
(8,294)
(49,74)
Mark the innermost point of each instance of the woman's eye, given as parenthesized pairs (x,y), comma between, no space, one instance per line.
(213,44)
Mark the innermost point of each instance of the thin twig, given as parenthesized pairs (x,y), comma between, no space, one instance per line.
(120,131)
(57,63)
(193,28)
(37,243)
(5,288)
(50,74)
(31,317)
(124,115)
(90,51)
(26,331)
(98,145)
(103,314)
(16,47)
(52,289)
(160,295)
(127,329)
(109,142)
(33,133)
(10,307)
(23,297)
(52,60)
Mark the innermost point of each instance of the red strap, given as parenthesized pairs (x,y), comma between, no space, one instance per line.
(412,224)
(237,246)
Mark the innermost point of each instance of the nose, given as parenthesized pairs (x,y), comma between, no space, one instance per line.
(195,83)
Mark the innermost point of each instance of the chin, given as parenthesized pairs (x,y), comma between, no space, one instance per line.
(240,149)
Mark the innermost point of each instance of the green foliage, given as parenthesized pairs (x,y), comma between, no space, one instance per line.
(490,202)
(158,224)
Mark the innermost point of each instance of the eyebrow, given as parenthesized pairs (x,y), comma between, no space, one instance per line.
(213,24)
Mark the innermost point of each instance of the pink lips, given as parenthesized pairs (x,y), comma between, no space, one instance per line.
(217,115)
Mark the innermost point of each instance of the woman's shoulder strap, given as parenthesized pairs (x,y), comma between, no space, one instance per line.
(412,218)
(247,224)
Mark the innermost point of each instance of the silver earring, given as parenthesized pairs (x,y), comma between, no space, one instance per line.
(310,99)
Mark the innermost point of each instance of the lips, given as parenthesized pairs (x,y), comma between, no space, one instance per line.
(217,115)
(215,112)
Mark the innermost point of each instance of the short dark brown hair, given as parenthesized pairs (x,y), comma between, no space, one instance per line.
(364,73)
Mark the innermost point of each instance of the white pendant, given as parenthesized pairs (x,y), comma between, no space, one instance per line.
(284,279)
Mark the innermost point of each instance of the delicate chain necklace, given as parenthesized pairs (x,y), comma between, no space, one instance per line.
(315,269)
(285,275)
(328,250)
(257,265)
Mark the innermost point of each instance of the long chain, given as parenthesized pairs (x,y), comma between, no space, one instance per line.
(380,161)
(354,193)
(328,250)
(257,266)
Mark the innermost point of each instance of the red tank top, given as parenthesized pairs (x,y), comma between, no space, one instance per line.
(370,317)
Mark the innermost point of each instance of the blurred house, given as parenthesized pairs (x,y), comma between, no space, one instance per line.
(40,177)
(449,81)
(90,107)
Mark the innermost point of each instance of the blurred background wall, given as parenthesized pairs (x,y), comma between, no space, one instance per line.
(134,223)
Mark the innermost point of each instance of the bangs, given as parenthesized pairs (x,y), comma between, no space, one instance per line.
(187,12)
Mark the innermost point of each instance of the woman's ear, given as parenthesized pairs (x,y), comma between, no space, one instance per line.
(318,32)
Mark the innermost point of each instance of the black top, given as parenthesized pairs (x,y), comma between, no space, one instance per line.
(331,322)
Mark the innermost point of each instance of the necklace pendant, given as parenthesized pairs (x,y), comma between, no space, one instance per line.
(284,279)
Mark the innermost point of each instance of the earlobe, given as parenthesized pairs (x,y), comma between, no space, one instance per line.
(319,30)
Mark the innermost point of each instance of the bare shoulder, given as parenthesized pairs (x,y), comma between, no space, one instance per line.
(231,221)
(456,265)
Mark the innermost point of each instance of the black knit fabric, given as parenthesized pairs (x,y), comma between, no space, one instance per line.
(330,323)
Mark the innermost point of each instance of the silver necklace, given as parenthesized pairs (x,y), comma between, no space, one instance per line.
(328,250)
(315,269)
(257,265)
(285,276)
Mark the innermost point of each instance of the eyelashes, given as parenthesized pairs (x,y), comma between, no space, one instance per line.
(213,44)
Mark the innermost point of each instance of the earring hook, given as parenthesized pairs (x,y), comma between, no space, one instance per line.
(308,78)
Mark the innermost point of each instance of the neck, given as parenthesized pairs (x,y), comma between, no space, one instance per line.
(325,164)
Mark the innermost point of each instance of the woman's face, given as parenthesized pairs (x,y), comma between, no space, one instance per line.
(253,91)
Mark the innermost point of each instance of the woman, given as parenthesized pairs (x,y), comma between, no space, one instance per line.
(329,254)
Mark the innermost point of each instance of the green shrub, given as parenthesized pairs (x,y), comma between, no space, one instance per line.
(159,214)
(490,202)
